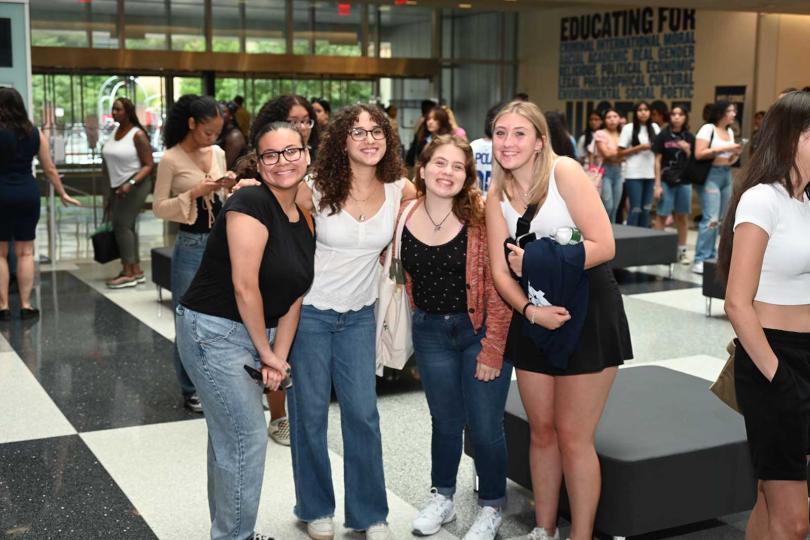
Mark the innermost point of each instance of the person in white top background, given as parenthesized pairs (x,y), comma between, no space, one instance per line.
(482,150)
(765,255)
(355,196)
(127,164)
(715,141)
(635,143)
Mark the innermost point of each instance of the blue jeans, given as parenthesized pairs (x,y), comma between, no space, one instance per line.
(447,349)
(676,199)
(640,191)
(186,259)
(214,351)
(340,349)
(714,196)
(611,192)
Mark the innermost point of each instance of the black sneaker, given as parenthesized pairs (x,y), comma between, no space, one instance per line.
(29,313)
(258,536)
(5,314)
(193,403)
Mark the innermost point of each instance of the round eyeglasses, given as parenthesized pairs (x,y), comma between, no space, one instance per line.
(271,157)
(301,123)
(360,134)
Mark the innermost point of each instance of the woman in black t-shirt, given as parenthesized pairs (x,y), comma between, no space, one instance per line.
(672,148)
(238,319)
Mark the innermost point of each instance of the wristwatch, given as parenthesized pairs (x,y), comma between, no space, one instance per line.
(132,182)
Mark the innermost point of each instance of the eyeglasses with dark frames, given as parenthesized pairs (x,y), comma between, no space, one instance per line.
(292,153)
(360,134)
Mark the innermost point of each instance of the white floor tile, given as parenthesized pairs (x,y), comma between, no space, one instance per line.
(28,412)
(686,299)
(161,468)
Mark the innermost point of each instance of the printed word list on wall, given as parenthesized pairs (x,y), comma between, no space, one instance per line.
(634,54)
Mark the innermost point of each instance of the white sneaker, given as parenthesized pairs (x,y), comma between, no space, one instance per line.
(697,268)
(438,511)
(379,531)
(486,524)
(539,533)
(321,529)
(683,258)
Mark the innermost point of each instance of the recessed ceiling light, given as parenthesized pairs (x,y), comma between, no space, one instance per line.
(411,2)
(385,8)
(465,6)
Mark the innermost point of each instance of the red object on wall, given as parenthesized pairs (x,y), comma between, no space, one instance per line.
(344,9)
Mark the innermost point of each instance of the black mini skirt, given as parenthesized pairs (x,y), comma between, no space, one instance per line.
(604,341)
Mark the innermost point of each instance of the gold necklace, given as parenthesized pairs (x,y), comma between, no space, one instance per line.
(362,202)
(437,226)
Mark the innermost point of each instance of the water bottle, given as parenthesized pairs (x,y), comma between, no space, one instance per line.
(567,235)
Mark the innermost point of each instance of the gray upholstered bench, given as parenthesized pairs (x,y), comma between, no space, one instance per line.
(671,453)
(637,246)
(162,270)
(713,286)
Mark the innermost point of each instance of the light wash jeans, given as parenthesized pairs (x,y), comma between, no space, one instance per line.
(611,192)
(714,196)
(333,348)
(214,351)
(186,259)
(640,192)
(447,348)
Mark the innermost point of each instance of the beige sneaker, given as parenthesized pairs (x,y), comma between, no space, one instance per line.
(321,528)
(379,531)
(279,431)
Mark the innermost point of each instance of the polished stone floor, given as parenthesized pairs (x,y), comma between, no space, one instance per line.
(95,443)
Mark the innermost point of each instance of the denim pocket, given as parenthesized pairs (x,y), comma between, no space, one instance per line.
(209,329)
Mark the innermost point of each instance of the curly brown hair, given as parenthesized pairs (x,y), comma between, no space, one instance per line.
(332,171)
(468,204)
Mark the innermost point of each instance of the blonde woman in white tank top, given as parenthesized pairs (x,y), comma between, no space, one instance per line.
(128,165)
(563,407)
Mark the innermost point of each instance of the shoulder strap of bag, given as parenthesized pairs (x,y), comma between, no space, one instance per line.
(406,213)
(308,217)
(525,221)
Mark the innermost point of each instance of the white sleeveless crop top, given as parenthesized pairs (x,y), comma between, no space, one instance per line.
(785,275)
(121,158)
(550,217)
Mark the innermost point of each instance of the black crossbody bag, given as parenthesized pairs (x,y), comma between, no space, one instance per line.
(522,235)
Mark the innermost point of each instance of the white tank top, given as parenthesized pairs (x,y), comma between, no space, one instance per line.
(121,158)
(550,217)
(347,254)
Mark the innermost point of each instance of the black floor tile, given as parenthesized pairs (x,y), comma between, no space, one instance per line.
(639,282)
(102,366)
(56,488)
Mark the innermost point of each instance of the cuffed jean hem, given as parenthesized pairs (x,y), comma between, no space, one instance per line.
(448,492)
(495,503)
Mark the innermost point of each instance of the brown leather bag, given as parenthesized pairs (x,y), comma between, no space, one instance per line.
(724,387)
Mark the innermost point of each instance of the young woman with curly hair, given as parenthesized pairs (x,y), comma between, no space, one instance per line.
(459,331)
(355,194)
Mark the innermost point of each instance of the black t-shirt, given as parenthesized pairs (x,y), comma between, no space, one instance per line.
(673,158)
(201,225)
(287,266)
(439,273)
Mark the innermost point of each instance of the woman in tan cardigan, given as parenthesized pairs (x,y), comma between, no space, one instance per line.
(190,176)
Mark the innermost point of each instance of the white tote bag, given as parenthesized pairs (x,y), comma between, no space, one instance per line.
(393,308)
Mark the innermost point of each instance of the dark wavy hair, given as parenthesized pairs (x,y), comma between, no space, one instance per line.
(558,135)
(13,115)
(685,112)
(332,171)
(468,204)
(200,108)
(637,124)
(278,110)
(773,160)
(323,103)
(717,111)
(129,109)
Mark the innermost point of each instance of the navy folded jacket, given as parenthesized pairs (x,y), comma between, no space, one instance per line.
(554,275)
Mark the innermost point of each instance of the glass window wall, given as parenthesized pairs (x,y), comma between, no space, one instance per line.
(67,23)
(321,28)
(400,31)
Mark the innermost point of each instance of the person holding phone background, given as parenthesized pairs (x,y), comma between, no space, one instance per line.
(241,311)
(190,177)
(715,141)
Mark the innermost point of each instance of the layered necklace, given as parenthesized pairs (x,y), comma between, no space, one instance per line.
(437,226)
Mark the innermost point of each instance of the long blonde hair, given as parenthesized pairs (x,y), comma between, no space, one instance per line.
(502,179)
